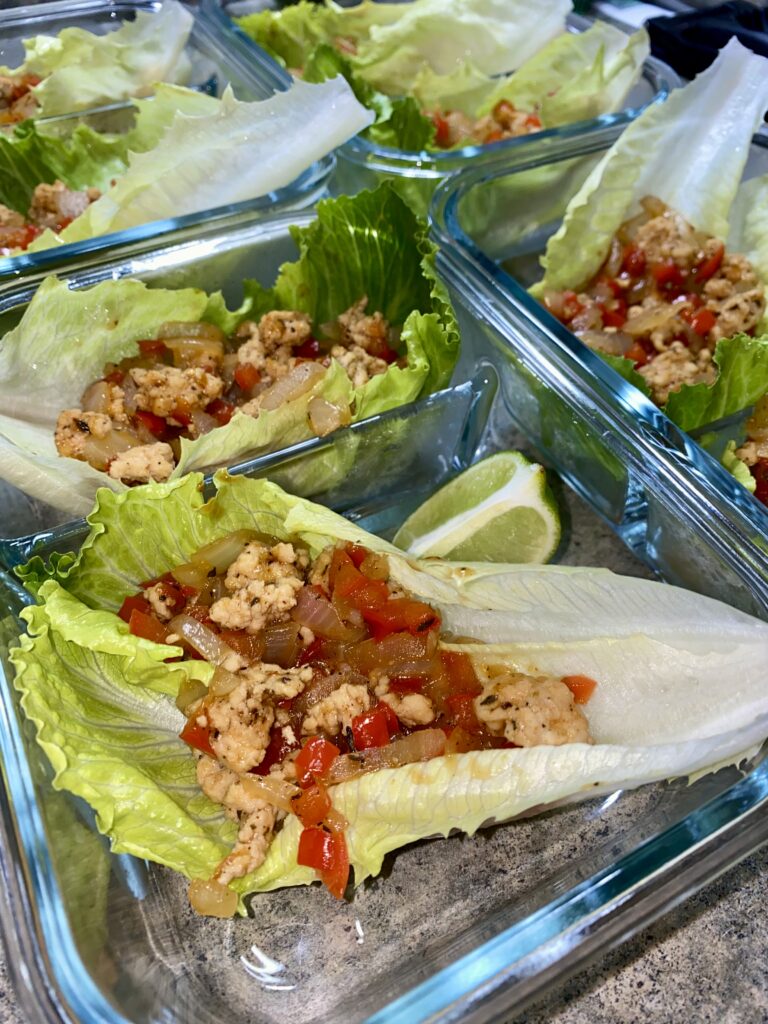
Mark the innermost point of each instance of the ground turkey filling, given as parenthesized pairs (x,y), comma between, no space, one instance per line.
(453,128)
(191,379)
(53,206)
(326,670)
(663,298)
(17,101)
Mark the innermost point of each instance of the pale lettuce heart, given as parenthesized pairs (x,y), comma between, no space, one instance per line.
(81,69)
(689,151)
(680,684)
(496,35)
(230,152)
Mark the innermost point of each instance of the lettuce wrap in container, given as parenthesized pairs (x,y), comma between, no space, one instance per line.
(187,152)
(477,73)
(123,382)
(403,699)
(79,70)
(661,261)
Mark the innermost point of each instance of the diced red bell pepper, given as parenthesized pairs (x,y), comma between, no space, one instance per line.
(182,413)
(221,411)
(582,687)
(310,349)
(668,275)
(442,131)
(315,758)
(393,722)
(115,377)
(277,748)
(533,121)
(326,852)
(155,424)
(460,672)
(359,591)
(370,730)
(572,305)
(147,627)
(357,553)
(247,376)
(311,805)
(634,261)
(197,736)
(702,321)
(401,615)
(152,347)
(615,315)
(136,602)
(640,353)
(760,472)
(495,136)
(709,267)
(406,684)
(460,711)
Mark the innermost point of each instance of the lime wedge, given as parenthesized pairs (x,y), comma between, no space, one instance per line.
(499,510)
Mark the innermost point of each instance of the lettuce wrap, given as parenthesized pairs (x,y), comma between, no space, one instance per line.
(415,59)
(187,152)
(689,152)
(80,69)
(680,684)
(370,245)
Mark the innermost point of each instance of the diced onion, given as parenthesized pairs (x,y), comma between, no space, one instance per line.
(100,450)
(419,746)
(204,640)
(202,422)
(615,258)
(223,682)
(293,385)
(274,791)
(182,329)
(325,417)
(281,644)
(192,574)
(190,691)
(318,614)
(221,553)
(615,342)
(212,899)
(130,388)
(96,397)
(651,319)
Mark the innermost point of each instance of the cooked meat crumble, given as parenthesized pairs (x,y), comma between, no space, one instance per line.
(191,379)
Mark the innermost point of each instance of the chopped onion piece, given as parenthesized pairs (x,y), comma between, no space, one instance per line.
(281,644)
(221,553)
(318,614)
(96,397)
(266,787)
(223,682)
(190,692)
(202,422)
(616,343)
(294,384)
(212,899)
(192,574)
(99,451)
(204,640)
(325,417)
(419,746)
(182,329)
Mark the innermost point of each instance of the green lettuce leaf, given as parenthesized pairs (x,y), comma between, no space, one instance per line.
(81,70)
(577,76)
(28,158)
(742,378)
(645,160)
(681,685)
(370,245)
(207,158)
(738,469)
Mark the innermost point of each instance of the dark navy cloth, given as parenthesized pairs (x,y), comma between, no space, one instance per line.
(689,42)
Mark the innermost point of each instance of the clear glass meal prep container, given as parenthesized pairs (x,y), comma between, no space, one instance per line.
(493,222)
(470,929)
(217,59)
(362,164)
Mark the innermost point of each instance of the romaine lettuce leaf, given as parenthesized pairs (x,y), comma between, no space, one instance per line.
(681,685)
(370,245)
(81,69)
(235,151)
(689,151)
(738,469)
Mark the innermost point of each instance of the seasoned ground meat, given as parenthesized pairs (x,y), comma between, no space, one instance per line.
(531,710)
